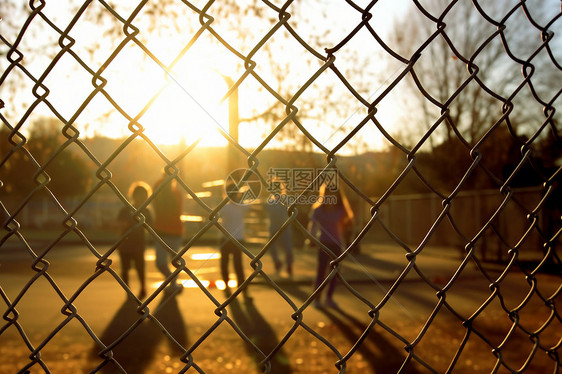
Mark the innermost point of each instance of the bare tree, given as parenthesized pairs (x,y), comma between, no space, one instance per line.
(278,49)
(469,63)
(478,83)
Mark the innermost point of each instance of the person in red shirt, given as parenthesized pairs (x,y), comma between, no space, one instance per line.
(167,205)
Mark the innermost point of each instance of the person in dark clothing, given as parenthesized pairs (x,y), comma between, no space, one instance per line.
(329,216)
(132,248)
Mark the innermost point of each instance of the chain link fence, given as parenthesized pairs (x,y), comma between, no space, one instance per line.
(447,133)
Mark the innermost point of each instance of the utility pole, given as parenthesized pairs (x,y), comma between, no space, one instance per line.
(233,161)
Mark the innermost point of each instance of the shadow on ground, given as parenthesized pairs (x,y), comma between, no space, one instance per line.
(380,354)
(261,334)
(137,350)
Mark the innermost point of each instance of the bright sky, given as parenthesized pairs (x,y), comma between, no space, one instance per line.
(188,106)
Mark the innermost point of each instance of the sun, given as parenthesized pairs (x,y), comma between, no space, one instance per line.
(189,109)
(174,93)
(176,103)
(181,103)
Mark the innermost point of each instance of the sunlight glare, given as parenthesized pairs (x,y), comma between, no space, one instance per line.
(190,283)
(191,218)
(205,256)
(182,105)
(155,285)
(220,285)
(189,108)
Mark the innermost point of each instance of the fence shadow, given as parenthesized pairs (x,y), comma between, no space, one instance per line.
(374,261)
(252,323)
(379,353)
(137,350)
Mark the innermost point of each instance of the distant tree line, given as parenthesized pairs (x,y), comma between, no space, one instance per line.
(72,173)
(69,173)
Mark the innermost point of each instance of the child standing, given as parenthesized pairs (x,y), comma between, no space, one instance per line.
(131,249)
(330,215)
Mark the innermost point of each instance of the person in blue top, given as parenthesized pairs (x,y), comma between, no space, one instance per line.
(232,219)
(330,214)
(277,213)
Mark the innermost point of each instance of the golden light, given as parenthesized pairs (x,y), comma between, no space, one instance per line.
(220,285)
(190,283)
(155,285)
(174,103)
(191,218)
(205,256)
(201,194)
(232,283)
(189,110)
(215,183)
(174,87)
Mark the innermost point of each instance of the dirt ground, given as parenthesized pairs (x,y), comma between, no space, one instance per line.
(436,344)
(431,337)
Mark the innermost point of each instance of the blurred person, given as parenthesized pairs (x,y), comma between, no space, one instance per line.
(232,219)
(329,216)
(132,248)
(277,216)
(167,205)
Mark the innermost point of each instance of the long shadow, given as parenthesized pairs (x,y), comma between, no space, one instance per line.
(384,359)
(379,263)
(389,358)
(169,315)
(258,330)
(137,350)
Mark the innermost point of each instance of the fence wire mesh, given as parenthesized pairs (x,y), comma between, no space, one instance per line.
(417,290)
